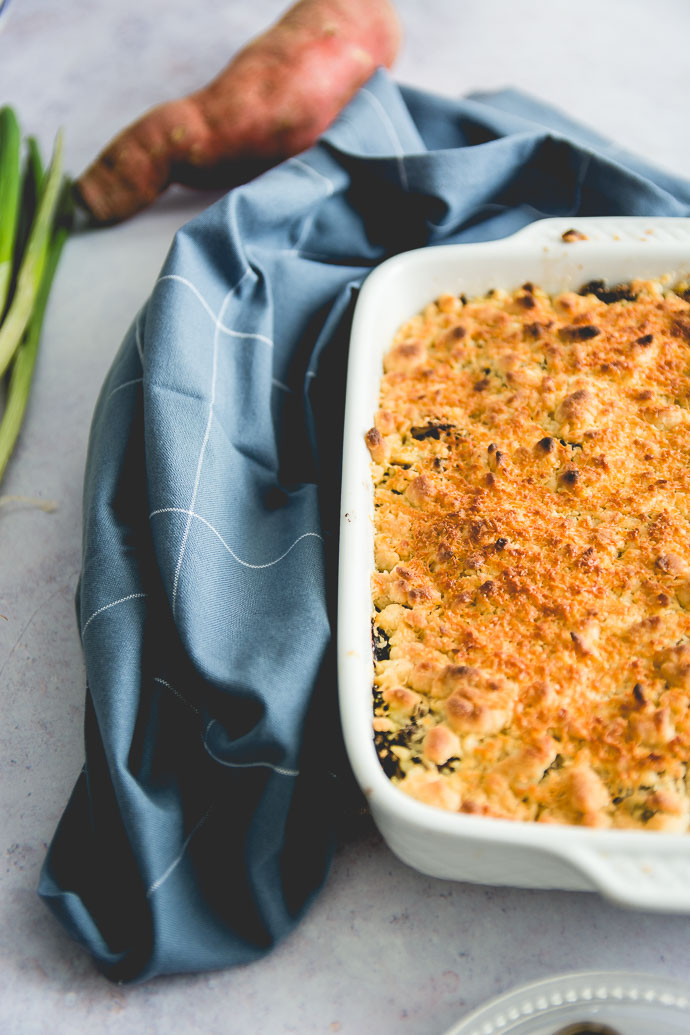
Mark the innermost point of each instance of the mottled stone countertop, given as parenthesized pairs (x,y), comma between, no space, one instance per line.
(383,949)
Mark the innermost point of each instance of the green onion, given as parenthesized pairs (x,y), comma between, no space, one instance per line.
(36,211)
(25,358)
(33,261)
(32,182)
(10,181)
(34,165)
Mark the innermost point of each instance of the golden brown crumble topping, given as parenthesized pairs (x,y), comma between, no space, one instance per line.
(532,541)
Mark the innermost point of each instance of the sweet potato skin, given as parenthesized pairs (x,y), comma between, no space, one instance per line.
(271,101)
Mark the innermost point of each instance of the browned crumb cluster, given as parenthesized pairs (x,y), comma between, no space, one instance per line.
(532,542)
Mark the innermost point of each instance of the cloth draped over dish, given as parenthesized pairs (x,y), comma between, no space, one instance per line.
(203,821)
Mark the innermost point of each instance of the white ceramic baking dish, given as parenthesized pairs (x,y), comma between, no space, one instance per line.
(638,869)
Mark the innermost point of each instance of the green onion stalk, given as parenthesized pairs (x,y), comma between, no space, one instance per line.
(21,373)
(10,188)
(34,223)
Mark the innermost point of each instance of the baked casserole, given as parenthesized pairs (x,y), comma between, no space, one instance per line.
(532,548)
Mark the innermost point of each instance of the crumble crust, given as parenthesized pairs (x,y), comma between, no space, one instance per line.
(531,596)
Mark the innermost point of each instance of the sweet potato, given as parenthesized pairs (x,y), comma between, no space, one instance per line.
(273,100)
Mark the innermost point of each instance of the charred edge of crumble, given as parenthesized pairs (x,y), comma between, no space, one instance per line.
(431,430)
(579,332)
(615,293)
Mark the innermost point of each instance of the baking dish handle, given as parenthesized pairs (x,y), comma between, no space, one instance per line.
(657,877)
(557,232)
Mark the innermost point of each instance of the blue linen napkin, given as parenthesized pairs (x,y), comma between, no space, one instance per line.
(202,823)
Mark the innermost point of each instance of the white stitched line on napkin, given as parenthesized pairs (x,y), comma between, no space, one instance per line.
(308,222)
(202,453)
(220,326)
(199,465)
(392,133)
(315,172)
(247,564)
(178,695)
(281,770)
(194,289)
(176,862)
(125,384)
(304,233)
(113,603)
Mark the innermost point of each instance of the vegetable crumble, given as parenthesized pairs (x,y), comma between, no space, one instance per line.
(531,625)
